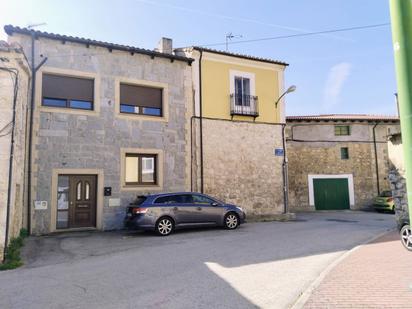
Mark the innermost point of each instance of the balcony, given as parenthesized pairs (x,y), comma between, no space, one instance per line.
(244,105)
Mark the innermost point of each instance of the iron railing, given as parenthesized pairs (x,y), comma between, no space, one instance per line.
(242,104)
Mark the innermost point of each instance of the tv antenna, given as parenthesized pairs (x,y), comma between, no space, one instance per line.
(229,37)
(31,26)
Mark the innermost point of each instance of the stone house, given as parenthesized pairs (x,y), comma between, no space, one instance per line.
(236,128)
(14,85)
(337,161)
(110,122)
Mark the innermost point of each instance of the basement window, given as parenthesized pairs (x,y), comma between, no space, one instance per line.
(344,153)
(342,130)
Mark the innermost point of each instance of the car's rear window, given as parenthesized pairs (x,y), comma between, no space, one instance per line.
(139,200)
(386,194)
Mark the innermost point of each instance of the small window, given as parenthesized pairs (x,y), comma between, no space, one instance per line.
(136,99)
(344,153)
(87,191)
(79,191)
(67,92)
(342,130)
(140,169)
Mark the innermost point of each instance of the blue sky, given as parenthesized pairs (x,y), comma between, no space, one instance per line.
(346,72)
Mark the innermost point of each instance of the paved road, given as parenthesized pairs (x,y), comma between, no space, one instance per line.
(259,265)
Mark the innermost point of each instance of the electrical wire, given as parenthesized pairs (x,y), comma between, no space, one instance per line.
(356,28)
(301,34)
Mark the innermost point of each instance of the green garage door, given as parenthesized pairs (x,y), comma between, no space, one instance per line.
(331,193)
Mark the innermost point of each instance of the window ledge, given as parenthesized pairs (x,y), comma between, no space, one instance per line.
(141,188)
(49,109)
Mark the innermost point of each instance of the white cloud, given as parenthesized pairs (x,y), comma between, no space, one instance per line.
(338,74)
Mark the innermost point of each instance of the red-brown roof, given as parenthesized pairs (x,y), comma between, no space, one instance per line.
(343,117)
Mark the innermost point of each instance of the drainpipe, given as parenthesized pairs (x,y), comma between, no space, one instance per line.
(285,172)
(201,123)
(376,157)
(15,91)
(401,17)
(34,69)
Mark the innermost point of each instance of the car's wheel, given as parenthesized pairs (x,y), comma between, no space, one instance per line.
(231,221)
(164,226)
(406,237)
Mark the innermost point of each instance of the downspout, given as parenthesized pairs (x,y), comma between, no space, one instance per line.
(34,69)
(15,91)
(376,157)
(285,172)
(201,123)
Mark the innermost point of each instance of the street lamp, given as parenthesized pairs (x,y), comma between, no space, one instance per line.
(289,90)
(285,159)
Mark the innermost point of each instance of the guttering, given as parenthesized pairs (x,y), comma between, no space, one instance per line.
(34,69)
(201,122)
(376,158)
(15,92)
(285,173)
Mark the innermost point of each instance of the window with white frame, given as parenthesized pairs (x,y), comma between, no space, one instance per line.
(242,91)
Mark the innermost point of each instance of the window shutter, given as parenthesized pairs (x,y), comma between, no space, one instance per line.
(67,88)
(140,96)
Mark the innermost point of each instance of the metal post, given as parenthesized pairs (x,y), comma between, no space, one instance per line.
(285,173)
(401,17)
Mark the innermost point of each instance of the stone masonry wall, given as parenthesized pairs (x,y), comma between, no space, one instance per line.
(11,57)
(240,166)
(309,156)
(64,140)
(397,178)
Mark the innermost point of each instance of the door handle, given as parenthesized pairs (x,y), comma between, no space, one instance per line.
(175,208)
(199,208)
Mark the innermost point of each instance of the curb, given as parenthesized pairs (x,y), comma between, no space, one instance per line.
(304,297)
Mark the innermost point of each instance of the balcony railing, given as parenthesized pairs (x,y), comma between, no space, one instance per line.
(242,104)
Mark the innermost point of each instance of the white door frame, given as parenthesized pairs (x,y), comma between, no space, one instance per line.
(349,177)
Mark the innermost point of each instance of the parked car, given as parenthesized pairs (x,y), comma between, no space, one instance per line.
(405,232)
(384,202)
(166,212)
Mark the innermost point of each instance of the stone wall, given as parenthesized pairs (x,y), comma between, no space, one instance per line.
(397,178)
(65,140)
(11,57)
(314,149)
(240,166)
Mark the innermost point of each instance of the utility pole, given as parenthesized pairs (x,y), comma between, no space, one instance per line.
(401,19)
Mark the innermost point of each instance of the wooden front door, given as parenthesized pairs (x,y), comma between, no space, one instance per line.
(82,201)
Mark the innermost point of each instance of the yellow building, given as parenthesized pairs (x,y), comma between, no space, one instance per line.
(237,143)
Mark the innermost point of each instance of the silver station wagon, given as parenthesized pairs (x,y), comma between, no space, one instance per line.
(166,212)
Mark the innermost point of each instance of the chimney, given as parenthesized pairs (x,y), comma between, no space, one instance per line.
(165,46)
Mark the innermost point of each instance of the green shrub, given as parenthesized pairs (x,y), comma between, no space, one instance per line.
(12,257)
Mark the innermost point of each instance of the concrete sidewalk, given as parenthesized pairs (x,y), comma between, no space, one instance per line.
(376,275)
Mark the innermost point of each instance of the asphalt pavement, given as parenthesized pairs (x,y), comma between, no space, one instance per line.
(259,265)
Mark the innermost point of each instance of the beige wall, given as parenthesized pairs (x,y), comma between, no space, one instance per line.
(395,153)
(240,166)
(12,58)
